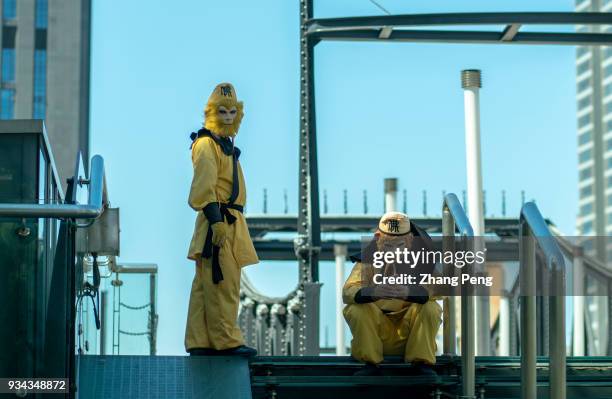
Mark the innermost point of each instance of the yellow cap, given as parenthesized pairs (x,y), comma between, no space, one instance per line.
(394,223)
(223,93)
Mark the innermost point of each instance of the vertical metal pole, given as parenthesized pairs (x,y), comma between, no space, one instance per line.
(309,235)
(390,194)
(557,350)
(578,302)
(153,315)
(468,351)
(103,326)
(340,252)
(449,314)
(471,83)
(527,275)
(504,326)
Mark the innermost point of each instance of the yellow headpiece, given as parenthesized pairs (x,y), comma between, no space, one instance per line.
(223,95)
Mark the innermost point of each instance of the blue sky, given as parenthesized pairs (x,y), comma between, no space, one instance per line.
(383,110)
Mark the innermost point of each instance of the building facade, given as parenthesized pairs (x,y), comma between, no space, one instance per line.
(44,71)
(594,107)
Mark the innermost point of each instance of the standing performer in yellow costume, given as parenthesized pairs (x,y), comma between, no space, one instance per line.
(221,244)
(391,320)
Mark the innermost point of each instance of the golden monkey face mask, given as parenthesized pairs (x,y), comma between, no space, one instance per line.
(223,113)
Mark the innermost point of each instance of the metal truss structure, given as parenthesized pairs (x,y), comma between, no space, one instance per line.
(297,315)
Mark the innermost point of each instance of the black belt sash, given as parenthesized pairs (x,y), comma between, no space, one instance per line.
(211,250)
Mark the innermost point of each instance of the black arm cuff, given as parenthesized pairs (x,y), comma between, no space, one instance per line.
(364,295)
(418,294)
(213,213)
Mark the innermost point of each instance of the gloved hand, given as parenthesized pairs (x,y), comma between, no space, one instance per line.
(220,233)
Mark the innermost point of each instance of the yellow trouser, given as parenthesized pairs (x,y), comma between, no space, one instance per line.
(411,332)
(213,308)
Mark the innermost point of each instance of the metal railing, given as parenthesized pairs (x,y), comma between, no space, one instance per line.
(93,209)
(534,232)
(454,219)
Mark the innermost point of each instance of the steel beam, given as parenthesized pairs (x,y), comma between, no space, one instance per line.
(497,251)
(263,224)
(459,36)
(477,18)
(309,233)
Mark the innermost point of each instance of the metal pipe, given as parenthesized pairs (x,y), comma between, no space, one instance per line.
(557,349)
(153,315)
(340,252)
(449,334)
(527,273)
(578,302)
(452,207)
(471,83)
(93,209)
(504,326)
(103,326)
(390,194)
(533,230)
(468,352)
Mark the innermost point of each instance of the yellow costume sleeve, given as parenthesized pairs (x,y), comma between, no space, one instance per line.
(205,167)
(352,284)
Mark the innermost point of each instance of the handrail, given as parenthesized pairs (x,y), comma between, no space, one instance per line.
(455,218)
(462,223)
(533,230)
(93,209)
(530,214)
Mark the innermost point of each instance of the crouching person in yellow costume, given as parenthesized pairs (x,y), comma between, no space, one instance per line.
(391,319)
(221,244)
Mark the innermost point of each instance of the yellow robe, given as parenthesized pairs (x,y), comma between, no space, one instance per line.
(213,308)
(389,326)
(212,182)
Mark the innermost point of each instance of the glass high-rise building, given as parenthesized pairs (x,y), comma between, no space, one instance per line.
(594,106)
(44,71)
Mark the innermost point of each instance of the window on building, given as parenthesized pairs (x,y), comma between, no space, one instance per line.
(608,71)
(584,84)
(586,209)
(40,84)
(42,14)
(9,9)
(584,102)
(587,227)
(609,180)
(609,107)
(586,173)
(608,89)
(584,120)
(581,50)
(609,126)
(584,138)
(585,155)
(8,65)
(609,200)
(583,67)
(609,163)
(40,60)
(8,53)
(7,103)
(607,52)
(586,191)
